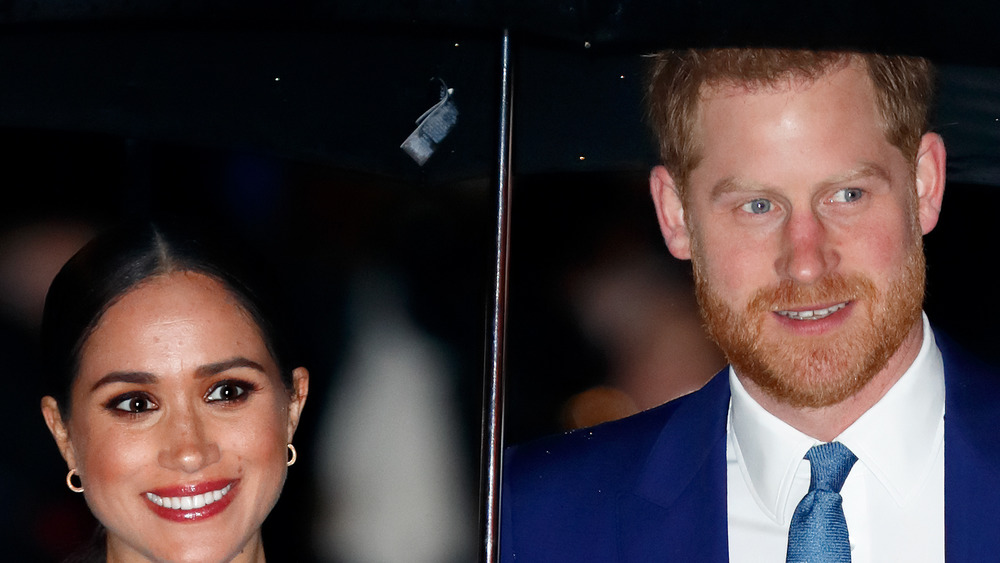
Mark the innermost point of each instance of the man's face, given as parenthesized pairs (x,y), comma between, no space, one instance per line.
(804,231)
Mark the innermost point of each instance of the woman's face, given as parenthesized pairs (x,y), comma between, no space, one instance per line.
(178,402)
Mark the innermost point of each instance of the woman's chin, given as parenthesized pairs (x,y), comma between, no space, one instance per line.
(186,548)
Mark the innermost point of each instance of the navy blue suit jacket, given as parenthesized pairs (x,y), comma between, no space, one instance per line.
(652,487)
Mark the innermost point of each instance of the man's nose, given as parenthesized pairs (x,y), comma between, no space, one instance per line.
(188,445)
(807,253)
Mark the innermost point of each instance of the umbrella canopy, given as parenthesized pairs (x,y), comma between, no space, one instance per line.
(339,85)
(343,82)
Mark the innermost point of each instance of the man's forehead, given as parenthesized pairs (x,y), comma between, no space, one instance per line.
(844,100)
(849,76)
(784,80)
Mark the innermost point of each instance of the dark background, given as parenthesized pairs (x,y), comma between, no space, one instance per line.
(280,128)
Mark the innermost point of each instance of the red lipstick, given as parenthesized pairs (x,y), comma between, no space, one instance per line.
(188,503)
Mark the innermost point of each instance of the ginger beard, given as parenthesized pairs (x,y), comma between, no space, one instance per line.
(815,371)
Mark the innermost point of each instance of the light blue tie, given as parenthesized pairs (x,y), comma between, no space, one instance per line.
(818,533)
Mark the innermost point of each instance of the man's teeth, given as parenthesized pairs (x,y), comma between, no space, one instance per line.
(189,503)
(813,315)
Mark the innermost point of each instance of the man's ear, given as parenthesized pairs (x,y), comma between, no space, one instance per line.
(670,213)
(300,385)
(931,160)
(53,419)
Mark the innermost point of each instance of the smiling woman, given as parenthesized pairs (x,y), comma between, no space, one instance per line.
(169,399)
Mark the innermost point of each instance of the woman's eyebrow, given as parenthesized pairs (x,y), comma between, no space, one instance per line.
(208,370)
(125,377)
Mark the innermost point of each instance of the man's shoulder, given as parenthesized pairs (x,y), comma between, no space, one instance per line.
(571,497)
(972,452)
(595,449)
(614,449)
(972,391)
(964,370)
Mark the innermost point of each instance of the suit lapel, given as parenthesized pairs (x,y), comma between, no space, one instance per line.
(677,511)
(972,459)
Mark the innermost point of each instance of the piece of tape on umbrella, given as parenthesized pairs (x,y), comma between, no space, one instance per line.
(432,127)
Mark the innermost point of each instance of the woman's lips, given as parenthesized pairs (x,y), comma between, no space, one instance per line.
(192,502)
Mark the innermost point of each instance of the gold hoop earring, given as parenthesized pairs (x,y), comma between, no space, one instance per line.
(69,482)
(295,456)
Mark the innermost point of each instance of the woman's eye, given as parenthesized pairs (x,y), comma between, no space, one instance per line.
(227,391)
(757,206)
(847,195)
(134,404)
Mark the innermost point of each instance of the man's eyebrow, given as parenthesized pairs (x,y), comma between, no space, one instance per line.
(141,377)
(209,370)
(731,184)
(866,170)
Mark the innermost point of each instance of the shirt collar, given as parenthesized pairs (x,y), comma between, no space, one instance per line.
(896,439)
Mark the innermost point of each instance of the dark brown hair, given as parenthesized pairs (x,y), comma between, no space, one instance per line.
(115,263)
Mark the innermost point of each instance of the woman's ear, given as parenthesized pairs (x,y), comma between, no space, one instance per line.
(300,390)
(670,213)
(53,419)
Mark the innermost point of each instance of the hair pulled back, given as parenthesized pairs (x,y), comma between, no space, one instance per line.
(112,265)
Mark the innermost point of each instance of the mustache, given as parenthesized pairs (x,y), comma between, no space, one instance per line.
(833,288)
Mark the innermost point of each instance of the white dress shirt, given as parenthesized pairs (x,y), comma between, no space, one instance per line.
(893,496)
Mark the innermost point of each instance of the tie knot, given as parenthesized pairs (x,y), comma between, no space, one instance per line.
(829,466)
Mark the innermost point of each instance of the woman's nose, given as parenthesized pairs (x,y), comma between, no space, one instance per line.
(187,444)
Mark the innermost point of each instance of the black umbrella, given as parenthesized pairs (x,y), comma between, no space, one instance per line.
(539,88)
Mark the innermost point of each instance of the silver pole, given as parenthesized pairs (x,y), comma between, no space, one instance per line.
(492,462)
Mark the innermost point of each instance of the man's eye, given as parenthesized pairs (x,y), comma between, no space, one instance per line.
(847,195)
(228,391)
(757,206)
(133,404)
